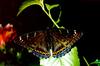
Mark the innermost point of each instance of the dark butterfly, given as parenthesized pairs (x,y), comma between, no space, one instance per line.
(48,43)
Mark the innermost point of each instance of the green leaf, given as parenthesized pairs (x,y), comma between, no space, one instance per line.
(58,20)
(70,59)
(2,64)
(28,3)
(96,62)
(18,55)
(49,7)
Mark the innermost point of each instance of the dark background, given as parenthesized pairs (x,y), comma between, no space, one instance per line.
(81,15)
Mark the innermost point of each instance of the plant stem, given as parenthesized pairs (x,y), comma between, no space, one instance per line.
(51,18)
(86,61)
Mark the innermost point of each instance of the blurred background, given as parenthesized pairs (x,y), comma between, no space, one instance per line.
(83,15)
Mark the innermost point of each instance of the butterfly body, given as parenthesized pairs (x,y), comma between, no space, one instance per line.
(48,42)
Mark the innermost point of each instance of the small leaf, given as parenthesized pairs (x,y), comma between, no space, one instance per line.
(18,55)
(96,62)
(59,17)
(28,3)
(58,20)
(49,7)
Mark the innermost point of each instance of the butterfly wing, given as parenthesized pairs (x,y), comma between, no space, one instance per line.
(62,43)
(41,42)
(34,41)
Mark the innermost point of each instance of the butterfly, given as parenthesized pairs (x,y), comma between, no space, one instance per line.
(47,43)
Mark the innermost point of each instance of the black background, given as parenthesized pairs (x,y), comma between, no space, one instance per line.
(82,15)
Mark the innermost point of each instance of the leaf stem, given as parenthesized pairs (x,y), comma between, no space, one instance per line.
(51,18)
(86,61)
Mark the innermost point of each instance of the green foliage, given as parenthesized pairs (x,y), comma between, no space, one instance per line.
(28,3)
(49,7)
(41,3)
(1,63)
(18,55)
(97,61)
